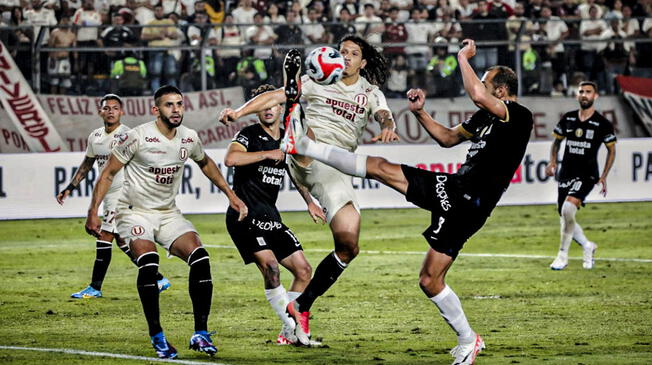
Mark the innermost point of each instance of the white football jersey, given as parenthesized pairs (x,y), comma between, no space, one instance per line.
(99,147)
(339,113)
(154,165)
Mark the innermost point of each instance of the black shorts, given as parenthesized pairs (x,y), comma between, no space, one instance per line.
(252,235)
(455,215)
(577,187)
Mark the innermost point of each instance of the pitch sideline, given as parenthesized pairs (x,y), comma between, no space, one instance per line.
(108,354)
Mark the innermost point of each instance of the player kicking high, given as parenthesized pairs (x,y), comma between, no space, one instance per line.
(153,155)
(460,203)
(336,115)
(100,142)
(262,237)
(584,130)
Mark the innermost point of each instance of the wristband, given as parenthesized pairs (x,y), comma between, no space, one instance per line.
(70,188)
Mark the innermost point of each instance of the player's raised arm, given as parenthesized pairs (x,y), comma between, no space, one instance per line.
(445,137)
(209,168)
(237,155)
(255,105)
(80,175)
(475,88)
(93,223)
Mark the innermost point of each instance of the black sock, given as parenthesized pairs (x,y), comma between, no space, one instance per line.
(125,249)
(200,287)
(326,275)
(101,265)
(148,290)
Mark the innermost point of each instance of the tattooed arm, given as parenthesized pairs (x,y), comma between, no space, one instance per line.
(387,125)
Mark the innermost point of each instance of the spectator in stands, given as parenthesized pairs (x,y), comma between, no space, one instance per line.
(251,72)
(404,7)
(631,27)
(40,17)
(344,26)
(395,32)
(323,11)
(290,33)
(215,10)
(370,26)
(59,67)
(584,9)
(593,29)
(615,55)
(397,84)
(350,5)
(88,19)
(485,29)
(642,9)
(418,55)
(518,24)
(314,32)
(568,10)
(450,29)
(464,9)
(643,51)
(22,53)
(552,28)
(117,35)
(129,75)
(273,17)
(198,7)
(263,36)
(231,36)
(443,71)
(243,15)
(162,63)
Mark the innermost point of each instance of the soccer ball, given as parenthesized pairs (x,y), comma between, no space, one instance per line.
(325,65)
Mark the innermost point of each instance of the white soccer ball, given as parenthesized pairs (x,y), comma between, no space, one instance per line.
(325,65)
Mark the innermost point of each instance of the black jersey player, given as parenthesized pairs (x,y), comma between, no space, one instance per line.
(460,203)
(585,130)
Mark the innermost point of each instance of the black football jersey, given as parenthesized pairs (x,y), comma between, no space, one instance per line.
(258,184)
(496,151)
(583,140)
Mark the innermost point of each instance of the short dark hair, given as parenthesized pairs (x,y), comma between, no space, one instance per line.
(505,76)
(111,97)
(590,83)
(262,89)
(164,90)
(369,5)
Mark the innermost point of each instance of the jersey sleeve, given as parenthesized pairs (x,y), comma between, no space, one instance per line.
(608,134)
(242,138)
(378,101)
(127,146)
(558,132)
(197,153)
(89,147)
(474,125)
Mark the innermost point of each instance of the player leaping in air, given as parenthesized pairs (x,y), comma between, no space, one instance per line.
(100,142)
(336,115)
(460,203)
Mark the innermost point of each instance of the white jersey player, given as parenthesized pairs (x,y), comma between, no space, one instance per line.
(336,115)
(100,142)
(153,155)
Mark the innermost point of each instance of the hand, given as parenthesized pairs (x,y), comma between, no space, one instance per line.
(62,196)
(386,135)
(603,189)
(240,207)
(93,224)
(468,51)
(227,116)
(416,100)
(551,169)
(316,213)
(276,155)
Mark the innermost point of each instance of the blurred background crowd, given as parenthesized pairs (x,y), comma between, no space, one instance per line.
(88,46)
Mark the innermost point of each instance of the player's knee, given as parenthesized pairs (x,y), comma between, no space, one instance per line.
(199,255)
(303,272)
(271,274)
(431,285)
(377,166)
(347,252)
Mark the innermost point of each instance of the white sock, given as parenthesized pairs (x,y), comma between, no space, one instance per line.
(278,299)
(568,211)
(339,158)
(450,308)
(578,235)
(293,295)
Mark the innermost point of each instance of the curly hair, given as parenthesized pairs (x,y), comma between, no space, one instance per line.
(262,89)
(377,69)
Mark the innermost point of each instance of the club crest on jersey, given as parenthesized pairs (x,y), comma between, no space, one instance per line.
(361,99)
(122,138)
(579,132)
(137,230)
(183,154)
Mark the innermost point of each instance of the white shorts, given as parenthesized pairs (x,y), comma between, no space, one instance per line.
(331,187)
(59,69)
(108,208)
(160,227)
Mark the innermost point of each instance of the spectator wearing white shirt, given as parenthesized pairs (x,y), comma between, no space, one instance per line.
(244,14)
(229,35)
(630,26)
(370,26)
(88,19)
(312,28)
(418,32)
(593,29)
(349,5)
(38,16)
(260,34)
(553,28)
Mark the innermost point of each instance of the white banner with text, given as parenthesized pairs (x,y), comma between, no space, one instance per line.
(29,182)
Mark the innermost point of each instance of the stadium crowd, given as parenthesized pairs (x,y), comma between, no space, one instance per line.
(245,41)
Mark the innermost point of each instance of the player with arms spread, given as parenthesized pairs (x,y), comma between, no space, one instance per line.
(100,142)
(153,155)
(584,130)
(262,237)
(336,114)
(460,203)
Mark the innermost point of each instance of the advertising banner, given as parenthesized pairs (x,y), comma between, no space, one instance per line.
(638,93)
(29,182)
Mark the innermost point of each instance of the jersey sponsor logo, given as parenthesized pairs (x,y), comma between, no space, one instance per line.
(344,109)
(440,189)
(152,139)
(187,140)
(579,132)
(589,134)
(164,175)
(361,99)
(183,154)
(137,230)
(97,134)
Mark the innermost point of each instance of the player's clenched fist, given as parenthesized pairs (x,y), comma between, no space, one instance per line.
(416,99)
(227,116)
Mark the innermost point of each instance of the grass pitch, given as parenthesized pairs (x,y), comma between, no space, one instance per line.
(375,313)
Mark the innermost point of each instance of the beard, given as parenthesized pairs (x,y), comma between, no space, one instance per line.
(169,123)
(585,104)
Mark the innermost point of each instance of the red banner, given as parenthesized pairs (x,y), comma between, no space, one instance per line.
(638,92)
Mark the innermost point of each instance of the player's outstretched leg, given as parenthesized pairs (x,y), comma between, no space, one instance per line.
(292,76)
(200,287)
(100,266)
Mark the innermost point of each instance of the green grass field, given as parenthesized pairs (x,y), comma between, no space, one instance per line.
(375,314)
